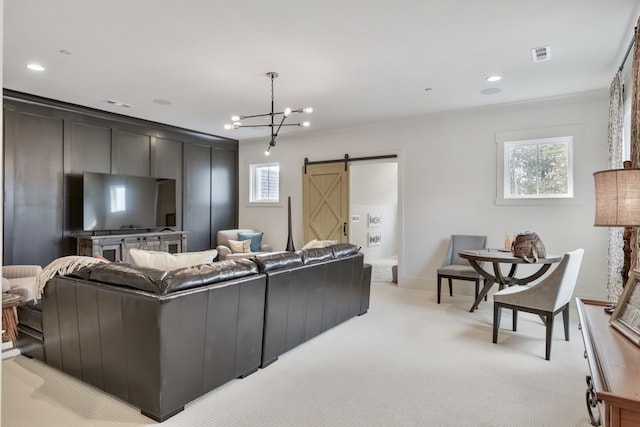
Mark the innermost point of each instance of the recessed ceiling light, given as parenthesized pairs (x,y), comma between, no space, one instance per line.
(35,67)
(490,91)
(428,89)
(64,52)
(162,101)
(493,78)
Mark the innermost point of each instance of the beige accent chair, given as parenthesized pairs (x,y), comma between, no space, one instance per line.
(546,298)
(20,279)
(224,249)
(455,267)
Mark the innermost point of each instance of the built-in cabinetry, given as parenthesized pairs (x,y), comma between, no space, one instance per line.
(115,247)
(49,144)
(613,388)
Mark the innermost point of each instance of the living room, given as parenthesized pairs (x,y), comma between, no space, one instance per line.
(449,171)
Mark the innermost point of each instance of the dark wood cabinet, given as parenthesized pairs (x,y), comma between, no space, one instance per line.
(49,144)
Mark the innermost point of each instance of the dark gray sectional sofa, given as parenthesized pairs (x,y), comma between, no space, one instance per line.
(160,339)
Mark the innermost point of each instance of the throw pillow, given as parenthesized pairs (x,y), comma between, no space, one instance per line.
(240,246)
(167,262)
(255,237)
(314,244)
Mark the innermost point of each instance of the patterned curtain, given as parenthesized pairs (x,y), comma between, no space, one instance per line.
(635,131)
(616,121)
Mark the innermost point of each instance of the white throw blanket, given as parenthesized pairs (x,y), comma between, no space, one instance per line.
(61,266)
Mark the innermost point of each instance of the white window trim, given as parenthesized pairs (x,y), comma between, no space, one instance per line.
(575,131)
(251,170)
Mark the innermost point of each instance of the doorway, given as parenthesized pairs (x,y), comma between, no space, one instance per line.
(373,214)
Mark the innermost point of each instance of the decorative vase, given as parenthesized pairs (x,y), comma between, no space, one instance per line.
(290,247)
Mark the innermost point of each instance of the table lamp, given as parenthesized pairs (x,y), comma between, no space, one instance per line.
(618,205)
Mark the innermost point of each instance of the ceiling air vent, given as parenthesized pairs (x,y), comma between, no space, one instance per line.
(540,54)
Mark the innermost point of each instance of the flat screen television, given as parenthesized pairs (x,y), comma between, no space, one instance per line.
(117,202)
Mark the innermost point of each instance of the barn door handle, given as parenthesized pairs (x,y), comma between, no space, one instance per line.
(344,228)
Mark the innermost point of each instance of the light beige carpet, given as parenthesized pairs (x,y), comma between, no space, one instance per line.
(407,362)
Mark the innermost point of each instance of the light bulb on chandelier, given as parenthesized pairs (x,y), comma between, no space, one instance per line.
(275,128)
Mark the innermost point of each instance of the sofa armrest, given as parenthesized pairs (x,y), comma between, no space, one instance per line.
(18,271)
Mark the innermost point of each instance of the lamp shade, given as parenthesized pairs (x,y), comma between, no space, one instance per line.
(617,198)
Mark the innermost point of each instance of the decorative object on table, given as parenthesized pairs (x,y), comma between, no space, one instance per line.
(507,242)
(455,267)
(375,220)
(290,247)
(528,246)
(374,239)
(545,298)
(275,128)
(626,316)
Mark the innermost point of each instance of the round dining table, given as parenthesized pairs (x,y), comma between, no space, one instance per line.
(496,257)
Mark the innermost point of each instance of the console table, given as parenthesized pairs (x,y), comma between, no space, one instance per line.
(613,388)
(116,247)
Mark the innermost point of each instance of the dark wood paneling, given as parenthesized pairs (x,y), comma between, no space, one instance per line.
(48,144)
(224,190)
(132,154)
(197,196)
(166,162)
(90,148)
(37,189)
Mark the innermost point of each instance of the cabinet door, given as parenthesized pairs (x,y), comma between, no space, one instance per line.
(197,196)
(33,198)
(224,191)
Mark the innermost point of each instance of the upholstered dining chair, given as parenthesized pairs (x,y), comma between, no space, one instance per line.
(454,267)
(547,298)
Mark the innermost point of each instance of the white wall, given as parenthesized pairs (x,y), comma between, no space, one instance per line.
(447,182)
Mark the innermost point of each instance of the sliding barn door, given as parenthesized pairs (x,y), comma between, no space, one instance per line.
(325,202)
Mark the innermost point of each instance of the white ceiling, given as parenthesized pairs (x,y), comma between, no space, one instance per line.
(354,62)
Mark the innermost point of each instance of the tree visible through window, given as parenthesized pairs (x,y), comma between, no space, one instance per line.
(539,168)
(265,182)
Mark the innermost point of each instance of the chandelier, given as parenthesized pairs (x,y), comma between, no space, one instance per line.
(275,116)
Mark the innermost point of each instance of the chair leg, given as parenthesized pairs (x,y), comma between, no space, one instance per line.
(496,321)
(565,319)
(514,319)
(439,287)
(450,287)
(477,287)
(549,324)
(485,284)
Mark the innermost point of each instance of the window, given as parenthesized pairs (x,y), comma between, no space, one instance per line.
(265,183)
(538,168)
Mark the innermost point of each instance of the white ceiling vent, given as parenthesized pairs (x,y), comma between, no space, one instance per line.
(118,103)
(540,54)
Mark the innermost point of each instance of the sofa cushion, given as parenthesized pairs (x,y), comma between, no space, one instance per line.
(207,274)
(122,274)
(166,261)
(310,256)
(240,246)
(255,237)
(344,249)
(278,260)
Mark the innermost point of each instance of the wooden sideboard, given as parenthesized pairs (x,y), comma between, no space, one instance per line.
(115,247)
(613,388)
